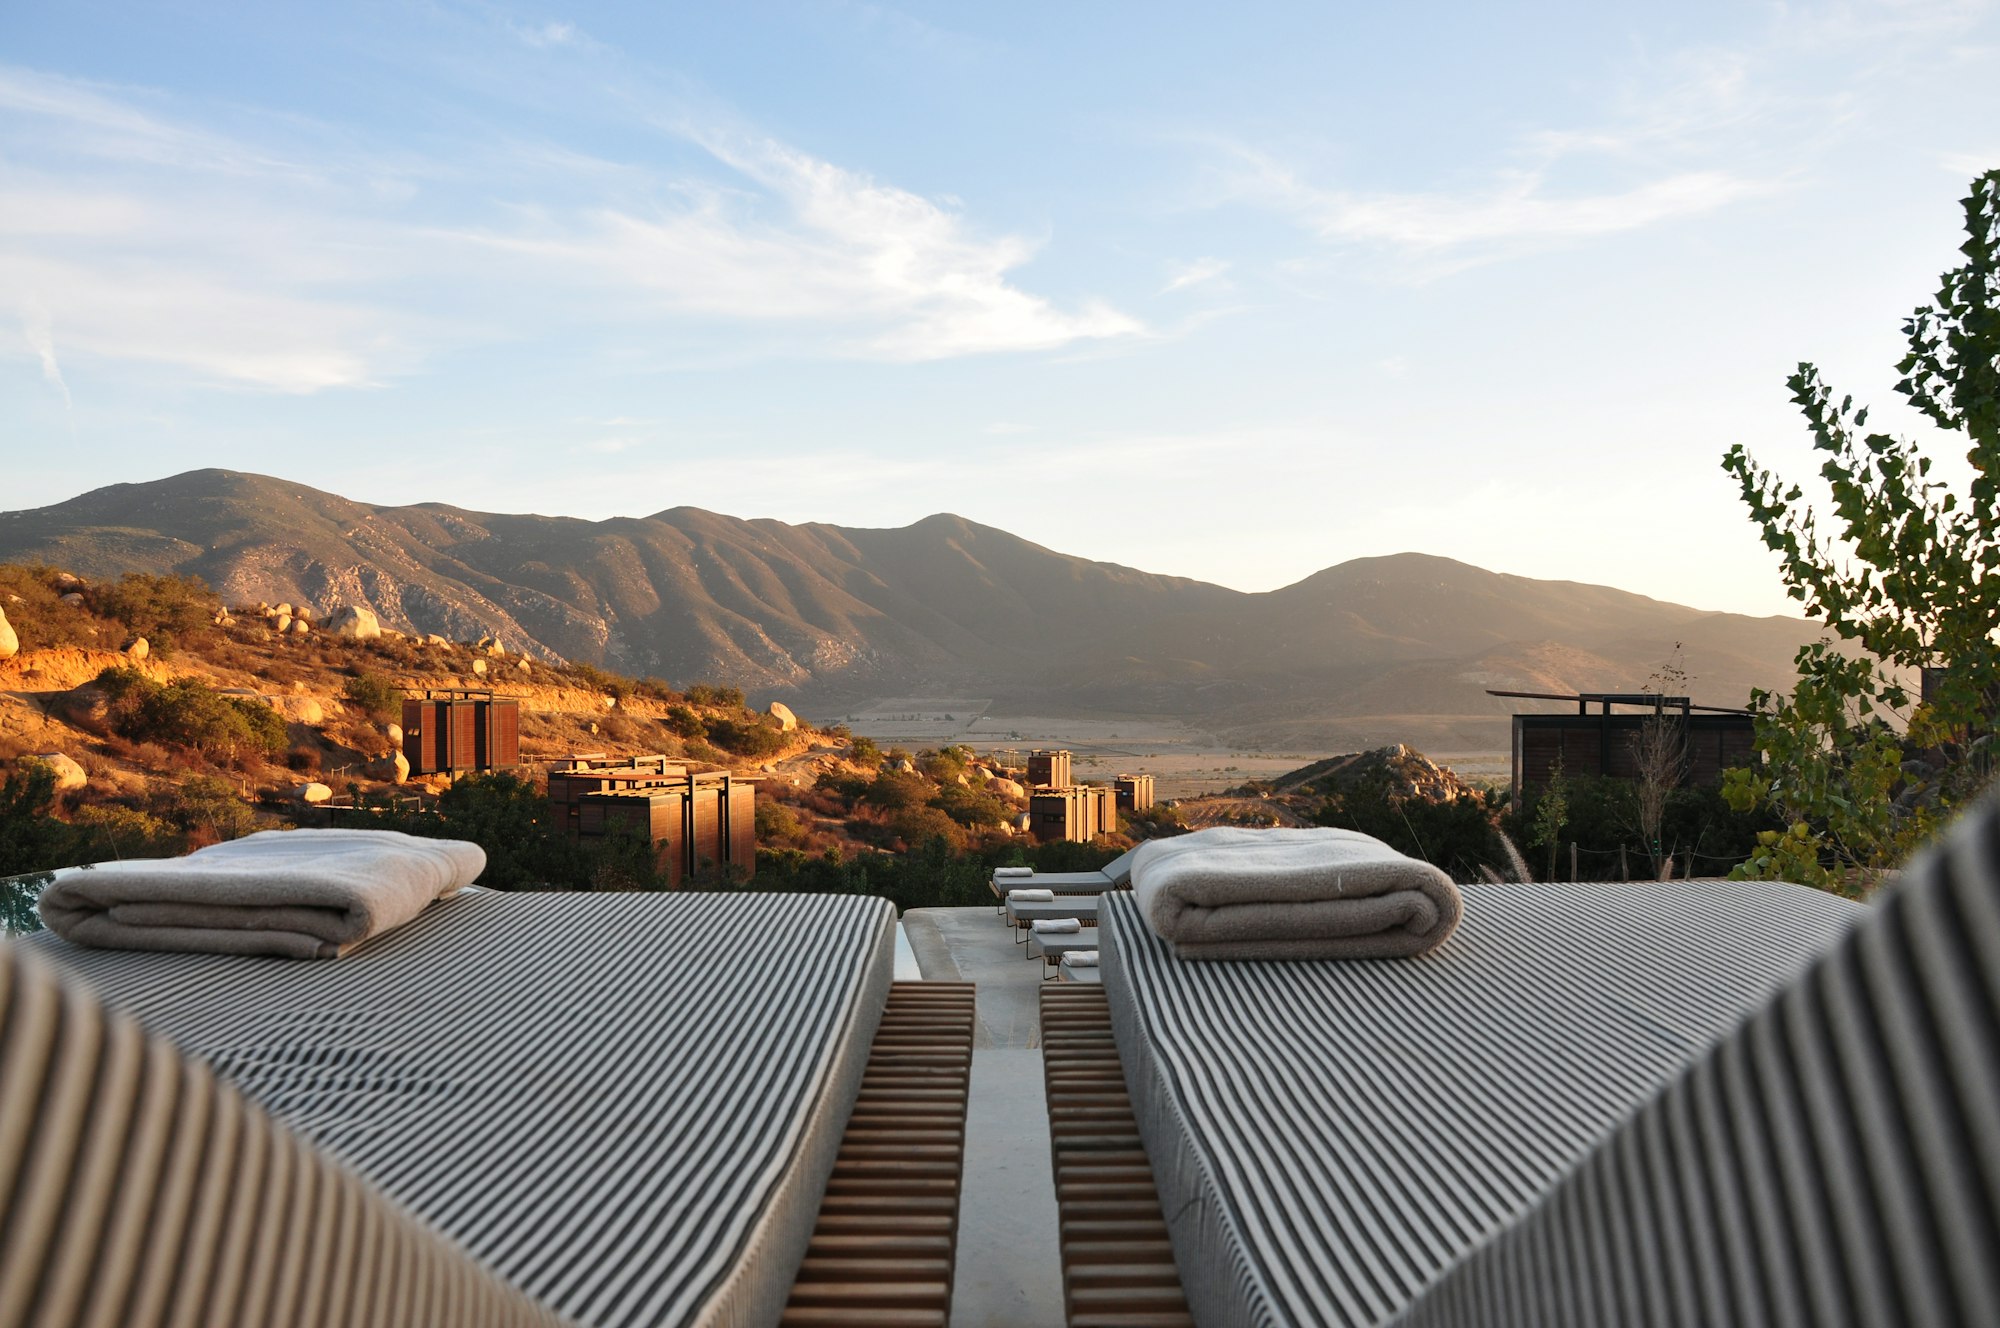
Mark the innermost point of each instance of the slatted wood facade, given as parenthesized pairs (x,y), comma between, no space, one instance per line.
(884,1247)
(1605,745)
(1135,792)
(1056,814)
(1118,1264)
(1049,768)
(459,731)
(697,823)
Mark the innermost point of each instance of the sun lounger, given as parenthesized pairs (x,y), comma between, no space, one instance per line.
(1051,948)
(1069,970)
(1114,875)
(1024,915)
(543,1081)
(1695,1102)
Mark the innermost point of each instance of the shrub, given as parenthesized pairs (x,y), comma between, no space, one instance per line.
(969,808)
(751,737)
(865,751)
(917,826)
(1157,820)
(31,838)
(1456,836)
(39,615)
(777,824)
(601,680)
(1601,815)
(109,831)
(721,698)
(206,808)
(931,875)
(159,608)
(946,765)
(684,722)
(510,818)
(894,791)
(374,695)
(190,714)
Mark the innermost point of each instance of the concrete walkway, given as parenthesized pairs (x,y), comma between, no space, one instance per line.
(1009,1272)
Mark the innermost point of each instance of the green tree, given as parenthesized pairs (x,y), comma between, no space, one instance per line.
(31,838)
(1551,817)
(1905,579)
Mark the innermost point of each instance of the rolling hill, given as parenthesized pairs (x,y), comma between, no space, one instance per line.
(1395,648)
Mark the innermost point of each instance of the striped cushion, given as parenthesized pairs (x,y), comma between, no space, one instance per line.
(136,1190)
(1328,1137)
(1835,1161)
(626,1104)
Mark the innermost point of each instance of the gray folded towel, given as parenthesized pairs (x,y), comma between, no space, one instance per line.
(303,894)
(1229,893)
(1032,896)
(1053,926)
(1081,959)
(1004,873)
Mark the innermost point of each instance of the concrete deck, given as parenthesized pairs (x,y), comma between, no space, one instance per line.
(1009,1271)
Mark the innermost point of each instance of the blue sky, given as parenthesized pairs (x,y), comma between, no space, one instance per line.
(1233,292)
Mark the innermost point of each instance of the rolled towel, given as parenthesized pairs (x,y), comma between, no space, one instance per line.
(302,894)
(1031,896)
(1230,893)
(1004,873)
(1081,959)
(1056,926)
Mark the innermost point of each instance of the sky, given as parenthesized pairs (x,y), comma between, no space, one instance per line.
(1229,292)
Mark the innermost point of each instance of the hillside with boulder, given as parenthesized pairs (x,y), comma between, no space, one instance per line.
(1400,648)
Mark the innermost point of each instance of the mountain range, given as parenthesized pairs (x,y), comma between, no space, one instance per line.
(1393,648)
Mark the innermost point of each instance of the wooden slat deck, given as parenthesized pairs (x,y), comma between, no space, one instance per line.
(883,1248)
(1118,1265)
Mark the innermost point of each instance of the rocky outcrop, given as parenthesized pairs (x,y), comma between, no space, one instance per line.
(1006,788)
(313,794)
(355,622)
(1403,771)
(86,708)
(10,641)
(781,712)
(137,648)
(70,776)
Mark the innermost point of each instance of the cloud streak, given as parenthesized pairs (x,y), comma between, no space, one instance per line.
(1658,157)
(885,273)
(39,331)
(295,269)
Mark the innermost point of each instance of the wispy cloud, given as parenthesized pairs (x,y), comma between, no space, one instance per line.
(1520,209)
(545,34)
(39,330)
(1181,276)
(1653,159)
(297,268)
(887,273)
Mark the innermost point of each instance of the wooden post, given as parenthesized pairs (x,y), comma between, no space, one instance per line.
(1623,874)
(1572,860)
